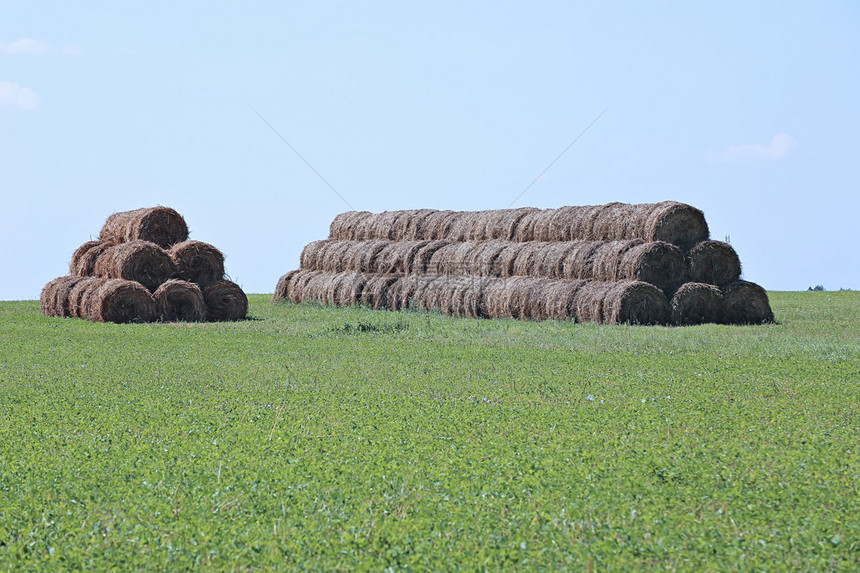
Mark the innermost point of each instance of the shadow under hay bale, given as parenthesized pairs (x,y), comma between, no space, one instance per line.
(697,303)
(140,261)
(120,301)
(179,300)
(713,262)
(225,301)
(746,303)
(160,225)
(197,262)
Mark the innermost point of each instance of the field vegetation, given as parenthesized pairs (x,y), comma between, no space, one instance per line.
(321,438)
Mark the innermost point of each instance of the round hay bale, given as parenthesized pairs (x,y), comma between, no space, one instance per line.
(283,286)
(378,290)
(560,224)
(713,262)
(310,256)
(504,225)
(589,300)
(402,292)
(365,259)
(391,257)
(559,297)
(317,287)
(581,227)
(676,223)
(383,225)
(611,221)
(746,303)
(438,263)
(62,294)
(84,258)
(552,263)
(697,303)
(579,260)
(120,301)
(47,299)
(333,258)
(482,259)
(656,262)
(197,262)
(493,298)
(607,259)
(506,259)
(525,228)
(140,261)
(79,295)
(343,226)
(298,283)
(179,301)
(406,227)
(635,302)
(346,289)
(363,228)
(412,252)
(160,225)
(473,297)
(478,226)
(225,300)
(529,256)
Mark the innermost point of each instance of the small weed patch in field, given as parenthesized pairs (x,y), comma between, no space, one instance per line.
(361,327)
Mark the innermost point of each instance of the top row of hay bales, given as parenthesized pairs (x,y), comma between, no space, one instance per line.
(669,221)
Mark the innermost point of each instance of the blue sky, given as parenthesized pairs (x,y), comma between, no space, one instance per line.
(747,110)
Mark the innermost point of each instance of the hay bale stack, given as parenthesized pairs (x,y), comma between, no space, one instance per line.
(713,262)
(179,300)
(197,262)
(120,301)
(140,261)
(746,303)
(697,303)
(160,225)
(225,301)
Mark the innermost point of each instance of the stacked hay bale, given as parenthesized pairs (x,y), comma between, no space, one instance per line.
(615,263)
(144,268)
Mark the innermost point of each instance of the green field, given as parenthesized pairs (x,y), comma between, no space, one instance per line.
(319,438)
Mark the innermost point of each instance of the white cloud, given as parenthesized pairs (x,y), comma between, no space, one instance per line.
(31,47)
(16,97)
(778,148)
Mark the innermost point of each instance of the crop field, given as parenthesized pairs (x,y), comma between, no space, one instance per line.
(342,439)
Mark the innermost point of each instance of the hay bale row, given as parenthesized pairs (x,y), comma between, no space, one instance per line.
(672,222)
(527,298)
(103,299)
(98,299)
(160,225)
(532,298)
(656,262)
(149,264)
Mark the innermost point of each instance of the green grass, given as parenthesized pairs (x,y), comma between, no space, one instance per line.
(312,438)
